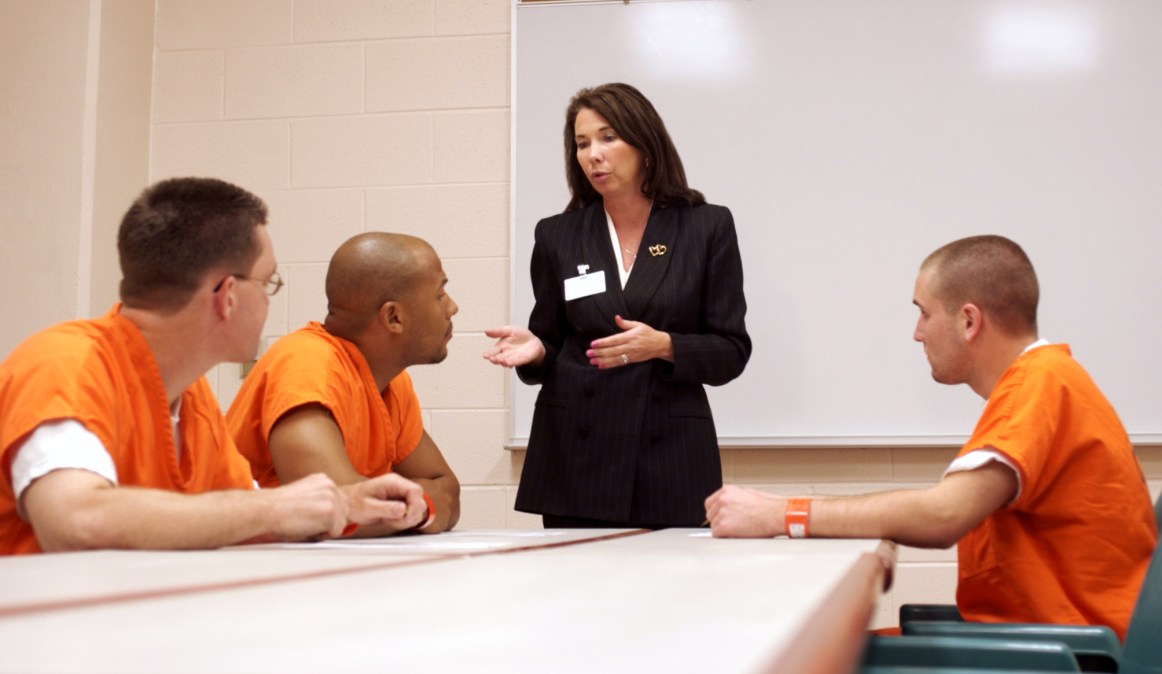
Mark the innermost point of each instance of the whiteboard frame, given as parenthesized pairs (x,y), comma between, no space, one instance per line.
(518,270)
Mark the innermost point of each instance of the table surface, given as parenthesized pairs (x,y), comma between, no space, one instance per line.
(472,601)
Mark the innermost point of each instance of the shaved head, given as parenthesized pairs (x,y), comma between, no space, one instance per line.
(367,271)
(991,272)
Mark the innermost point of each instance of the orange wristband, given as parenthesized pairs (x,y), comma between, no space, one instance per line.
(431,512)
(795,517)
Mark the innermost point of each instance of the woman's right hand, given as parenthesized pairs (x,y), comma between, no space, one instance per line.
(514,346)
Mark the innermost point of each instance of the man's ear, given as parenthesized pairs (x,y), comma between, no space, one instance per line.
(391,316)
(223,300)
(971,322)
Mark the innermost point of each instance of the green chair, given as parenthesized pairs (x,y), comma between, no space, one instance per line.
(1142,653)
(1095,647)
(948,655)
(929,613)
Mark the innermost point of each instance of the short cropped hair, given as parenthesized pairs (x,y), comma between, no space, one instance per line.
(637,122)
(180,229)
(991,272)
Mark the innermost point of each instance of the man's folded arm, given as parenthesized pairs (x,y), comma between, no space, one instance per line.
(426,467)
(307,440)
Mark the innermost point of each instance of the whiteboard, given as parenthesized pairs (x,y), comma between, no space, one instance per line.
(852,138)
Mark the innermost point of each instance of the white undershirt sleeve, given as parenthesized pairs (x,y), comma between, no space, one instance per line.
(979,457)
(56,445)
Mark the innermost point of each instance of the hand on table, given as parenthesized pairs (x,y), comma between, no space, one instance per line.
(391,500)
(737,512)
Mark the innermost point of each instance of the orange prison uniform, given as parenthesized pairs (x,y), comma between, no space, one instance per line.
(311,366)
(102,374)
(1074,546)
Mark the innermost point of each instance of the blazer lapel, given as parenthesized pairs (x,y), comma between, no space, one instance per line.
(600,251)
(654,255)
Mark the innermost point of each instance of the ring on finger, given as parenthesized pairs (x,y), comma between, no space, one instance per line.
(624,359)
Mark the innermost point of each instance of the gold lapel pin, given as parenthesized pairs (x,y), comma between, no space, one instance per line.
(657,249)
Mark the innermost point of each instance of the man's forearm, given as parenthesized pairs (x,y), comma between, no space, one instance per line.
(127,517)
(77,510)
(908,517)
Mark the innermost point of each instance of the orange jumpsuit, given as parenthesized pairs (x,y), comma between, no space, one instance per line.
(1073,547)
(311,366)
(102,374)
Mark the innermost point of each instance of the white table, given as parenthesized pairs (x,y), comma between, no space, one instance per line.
(34,583)
(588,601)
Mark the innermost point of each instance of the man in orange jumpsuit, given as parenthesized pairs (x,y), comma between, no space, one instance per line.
(109,434)
(1046,502)
(335,398)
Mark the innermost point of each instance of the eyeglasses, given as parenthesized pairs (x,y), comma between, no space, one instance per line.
(270,286)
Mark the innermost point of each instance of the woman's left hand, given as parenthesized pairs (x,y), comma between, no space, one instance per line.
(636,343)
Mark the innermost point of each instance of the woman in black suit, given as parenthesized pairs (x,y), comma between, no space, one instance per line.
(639,303)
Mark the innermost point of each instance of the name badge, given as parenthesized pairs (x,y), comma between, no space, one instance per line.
(584,285)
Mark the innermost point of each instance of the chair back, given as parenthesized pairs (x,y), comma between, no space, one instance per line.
(1143,650)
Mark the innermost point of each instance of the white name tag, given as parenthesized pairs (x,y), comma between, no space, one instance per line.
(584,285)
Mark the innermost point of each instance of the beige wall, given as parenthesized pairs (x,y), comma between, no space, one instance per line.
(348,116)
(74,134)
(43,94)
(121,157)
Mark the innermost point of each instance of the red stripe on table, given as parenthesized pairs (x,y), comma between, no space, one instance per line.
(66,604)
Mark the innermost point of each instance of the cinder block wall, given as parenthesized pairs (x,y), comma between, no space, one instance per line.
(350,116)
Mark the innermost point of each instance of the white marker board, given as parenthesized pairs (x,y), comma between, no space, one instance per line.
(852,138)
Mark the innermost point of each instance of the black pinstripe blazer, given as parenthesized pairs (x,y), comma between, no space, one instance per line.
(633,444)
